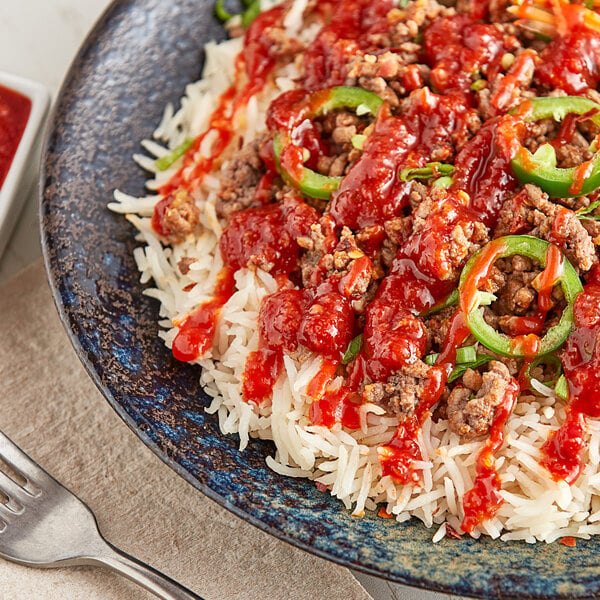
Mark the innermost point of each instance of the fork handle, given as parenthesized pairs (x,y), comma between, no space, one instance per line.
(160,585)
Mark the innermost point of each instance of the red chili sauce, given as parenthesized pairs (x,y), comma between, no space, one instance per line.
(459,46)
(371,192)
(14,114)
(562,453)
(255,63)
(398,456)
(483,500)
(570,62)
(196,331)
(351,23)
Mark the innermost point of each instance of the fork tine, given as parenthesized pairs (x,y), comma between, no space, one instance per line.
(7,515)
(14,506)
(13,490)
(21,463)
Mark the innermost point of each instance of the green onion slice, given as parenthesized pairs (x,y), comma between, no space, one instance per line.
(459,370)
(561,388)
(164,162)
(353,349)
(583,213)
(432,169)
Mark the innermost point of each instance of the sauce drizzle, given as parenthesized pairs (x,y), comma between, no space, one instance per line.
(197,330)
(483,500)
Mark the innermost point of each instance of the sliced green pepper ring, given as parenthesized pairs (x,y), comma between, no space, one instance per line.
(471,299)
(290,158)
(302,178)
(540,168)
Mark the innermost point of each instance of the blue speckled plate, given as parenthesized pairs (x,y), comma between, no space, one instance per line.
(138,57)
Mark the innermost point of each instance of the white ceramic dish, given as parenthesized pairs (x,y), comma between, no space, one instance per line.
(25,163)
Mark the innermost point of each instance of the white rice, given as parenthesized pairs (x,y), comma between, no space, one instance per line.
(536,508)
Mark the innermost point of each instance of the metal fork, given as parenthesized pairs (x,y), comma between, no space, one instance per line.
(45,525)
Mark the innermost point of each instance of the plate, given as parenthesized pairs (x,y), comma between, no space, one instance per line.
(138,57)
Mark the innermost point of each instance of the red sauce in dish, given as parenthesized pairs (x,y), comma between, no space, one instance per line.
(482,167)
(268,234)
(338,406)
(457,47)
(563,450)
(14,114)
(506,95)
(371,192)
(321,323)
(457,334)
(397,458)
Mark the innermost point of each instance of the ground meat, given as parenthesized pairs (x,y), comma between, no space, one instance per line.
(399,229)
(471,406)
(389,249)
(573,239)
(340,126)
(568,155)
(383,257)
(418,194)
(532,211)
(239,177)
(391,74)
(184,264)
(344,128)
(437,328)
(281,44)
(402,390)
(515,294)
(444,256)
(318,265)
(381,251)
(575,203)
(540,132)
(338,129)
(593,228)
(336,165)
(508,90)
(180,217)
(407,23)
(495,281)
(573,154)
(316,244)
